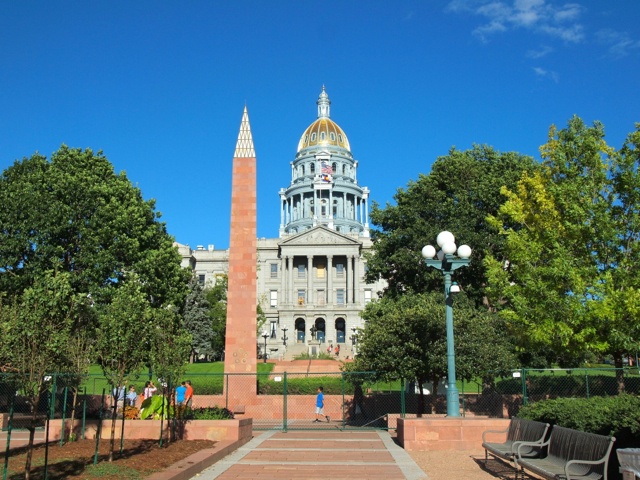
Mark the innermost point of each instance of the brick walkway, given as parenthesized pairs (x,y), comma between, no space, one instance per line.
(331,455)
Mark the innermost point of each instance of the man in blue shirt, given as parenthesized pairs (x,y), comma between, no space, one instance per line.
(181,391)
(320,406)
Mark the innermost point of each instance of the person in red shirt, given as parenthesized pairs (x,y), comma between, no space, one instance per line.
(188,397)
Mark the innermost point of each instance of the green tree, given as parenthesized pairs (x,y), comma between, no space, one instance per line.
(405,338)
(197,321)
(457,195)
(36,328)
(76,213)
(570,284)
(216,295)
(123,335)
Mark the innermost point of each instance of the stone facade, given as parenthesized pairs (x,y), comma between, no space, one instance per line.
(310,281)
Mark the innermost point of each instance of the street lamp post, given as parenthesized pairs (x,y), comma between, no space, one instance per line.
(354,340)
(265,335)
(284,336)
(447,261)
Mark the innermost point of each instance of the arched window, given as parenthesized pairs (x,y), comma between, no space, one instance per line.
(334,167)
(313,137)
(332,136)
(323,135)
(312,168)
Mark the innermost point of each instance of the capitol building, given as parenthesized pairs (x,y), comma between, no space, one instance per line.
(310,281)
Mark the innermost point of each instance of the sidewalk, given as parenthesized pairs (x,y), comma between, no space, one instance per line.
(317,454)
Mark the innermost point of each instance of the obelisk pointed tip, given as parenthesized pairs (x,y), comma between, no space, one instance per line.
(244,145)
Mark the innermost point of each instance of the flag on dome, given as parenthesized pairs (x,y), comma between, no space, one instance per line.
(325,171)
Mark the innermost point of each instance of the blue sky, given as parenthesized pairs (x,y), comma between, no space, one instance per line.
(160,86)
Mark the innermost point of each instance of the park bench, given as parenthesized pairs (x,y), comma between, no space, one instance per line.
(519,430)
(568,455)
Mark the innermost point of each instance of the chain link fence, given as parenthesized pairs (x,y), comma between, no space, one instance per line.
(287,400)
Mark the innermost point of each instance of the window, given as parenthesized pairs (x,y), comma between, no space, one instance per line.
(301,270)
(313,137)
(312,168)
(273,300)
(323,135)
(340,296)
(201,278)
(367,296)
(320,271)
(274,270)
(334,167)
(340,269)
(332,136)
(273,329)
(301,297)
(340,137)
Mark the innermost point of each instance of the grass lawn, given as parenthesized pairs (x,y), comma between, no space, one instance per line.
(200,374)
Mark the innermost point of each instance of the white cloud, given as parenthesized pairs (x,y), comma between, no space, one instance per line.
(541,72)
(619,44)
(541,52)
(539,16)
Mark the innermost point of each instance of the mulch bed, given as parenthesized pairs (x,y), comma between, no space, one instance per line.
(74,460)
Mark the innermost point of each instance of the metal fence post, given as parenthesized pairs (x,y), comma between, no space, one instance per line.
(284,405)
(64,414)
(525,390)
(586,381)
(403,405)
(84,412)
(99,429)
(10,426)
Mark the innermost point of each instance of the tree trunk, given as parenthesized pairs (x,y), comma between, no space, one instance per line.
(617,362)
(73,414)
(114,418)
(32,432)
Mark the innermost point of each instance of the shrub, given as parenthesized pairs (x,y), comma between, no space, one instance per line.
(131,412)
(208,413)
(615,416)
(152,407)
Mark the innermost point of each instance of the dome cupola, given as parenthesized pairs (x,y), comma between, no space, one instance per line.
(324,131)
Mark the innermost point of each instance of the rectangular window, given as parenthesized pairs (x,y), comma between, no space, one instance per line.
(301,270)
(201,279)
(367,296)
(340,296)
(340,269)
(320,271)
(301,297)
(274,270)
(273,301)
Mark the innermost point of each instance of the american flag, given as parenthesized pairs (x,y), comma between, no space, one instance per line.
(326,168)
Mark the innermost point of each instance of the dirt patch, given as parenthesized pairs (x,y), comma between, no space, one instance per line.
(139,459)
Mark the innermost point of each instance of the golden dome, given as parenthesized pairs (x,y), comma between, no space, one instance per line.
(324,131)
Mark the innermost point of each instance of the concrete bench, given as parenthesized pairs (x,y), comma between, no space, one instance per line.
(519,430)
(568,455)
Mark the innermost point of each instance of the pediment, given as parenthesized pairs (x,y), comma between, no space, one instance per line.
(319,235)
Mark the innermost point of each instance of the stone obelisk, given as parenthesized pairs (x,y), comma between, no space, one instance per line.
(240,346)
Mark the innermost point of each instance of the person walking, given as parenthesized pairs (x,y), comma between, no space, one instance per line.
(320,405)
